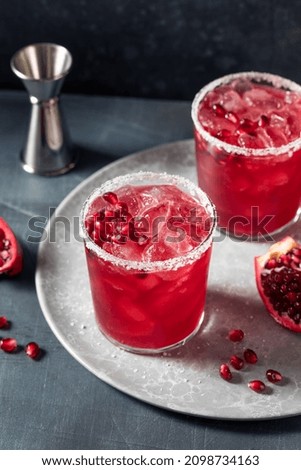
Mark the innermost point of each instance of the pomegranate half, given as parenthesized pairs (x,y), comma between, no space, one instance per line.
(278,278)
(11,256)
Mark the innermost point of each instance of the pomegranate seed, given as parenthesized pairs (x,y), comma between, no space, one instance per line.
(109,213)
(8,344)
(219,110)
(250,356)
(236,362)
(225,372)
(273,376)
(4,323)
(296,251)
(246,126)
(236,335)
(263,121)
(223,134)
(32,350)
(256,385)
(110,197)
(292,296)
(232,117)
(2,234)
(294,258)
(122,207)
(284,260)
(270,264)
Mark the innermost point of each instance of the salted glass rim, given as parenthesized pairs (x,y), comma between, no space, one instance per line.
(277,81)
(150,266)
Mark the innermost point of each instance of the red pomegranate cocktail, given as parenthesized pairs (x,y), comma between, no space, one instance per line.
(248,150)
(148,243)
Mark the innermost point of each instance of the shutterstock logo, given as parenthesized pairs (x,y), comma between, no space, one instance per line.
(253,228)
(118,228)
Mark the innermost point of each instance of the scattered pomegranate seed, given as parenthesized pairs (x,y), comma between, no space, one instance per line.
(110,197)
(236,335)
(32,350)
(250,356)
(273,376)
(4,323)
(256,385)
(8,345)
(236,362)
(225,372)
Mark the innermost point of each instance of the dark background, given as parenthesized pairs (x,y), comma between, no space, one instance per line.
(155,48)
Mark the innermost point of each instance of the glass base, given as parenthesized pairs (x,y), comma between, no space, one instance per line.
(153,351)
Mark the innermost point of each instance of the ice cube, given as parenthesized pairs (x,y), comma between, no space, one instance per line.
(213,97)
(150,196)
(214,124)
(130,196)
(155,252)
(241,85)
(277,120)
(256,96)
(248,141)
(253,114)
(130,250)
(207,118)
(264,139)
(294,128)
(233,102)
(263,98)
(277,135)
(291,97)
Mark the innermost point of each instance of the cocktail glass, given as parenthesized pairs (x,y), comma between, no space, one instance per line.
(248,151)
(147,306)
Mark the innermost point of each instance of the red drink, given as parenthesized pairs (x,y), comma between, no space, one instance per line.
(148,245)
(247,135)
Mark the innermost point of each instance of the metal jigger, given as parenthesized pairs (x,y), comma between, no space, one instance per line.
(42,68)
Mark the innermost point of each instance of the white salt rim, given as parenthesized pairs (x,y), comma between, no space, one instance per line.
(277,82)
(161,178)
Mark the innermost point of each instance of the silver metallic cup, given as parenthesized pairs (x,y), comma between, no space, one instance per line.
(42,67)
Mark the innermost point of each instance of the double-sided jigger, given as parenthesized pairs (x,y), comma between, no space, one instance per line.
(42,68)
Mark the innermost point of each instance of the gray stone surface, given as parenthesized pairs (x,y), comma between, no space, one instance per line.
(185,379)
(56,403)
